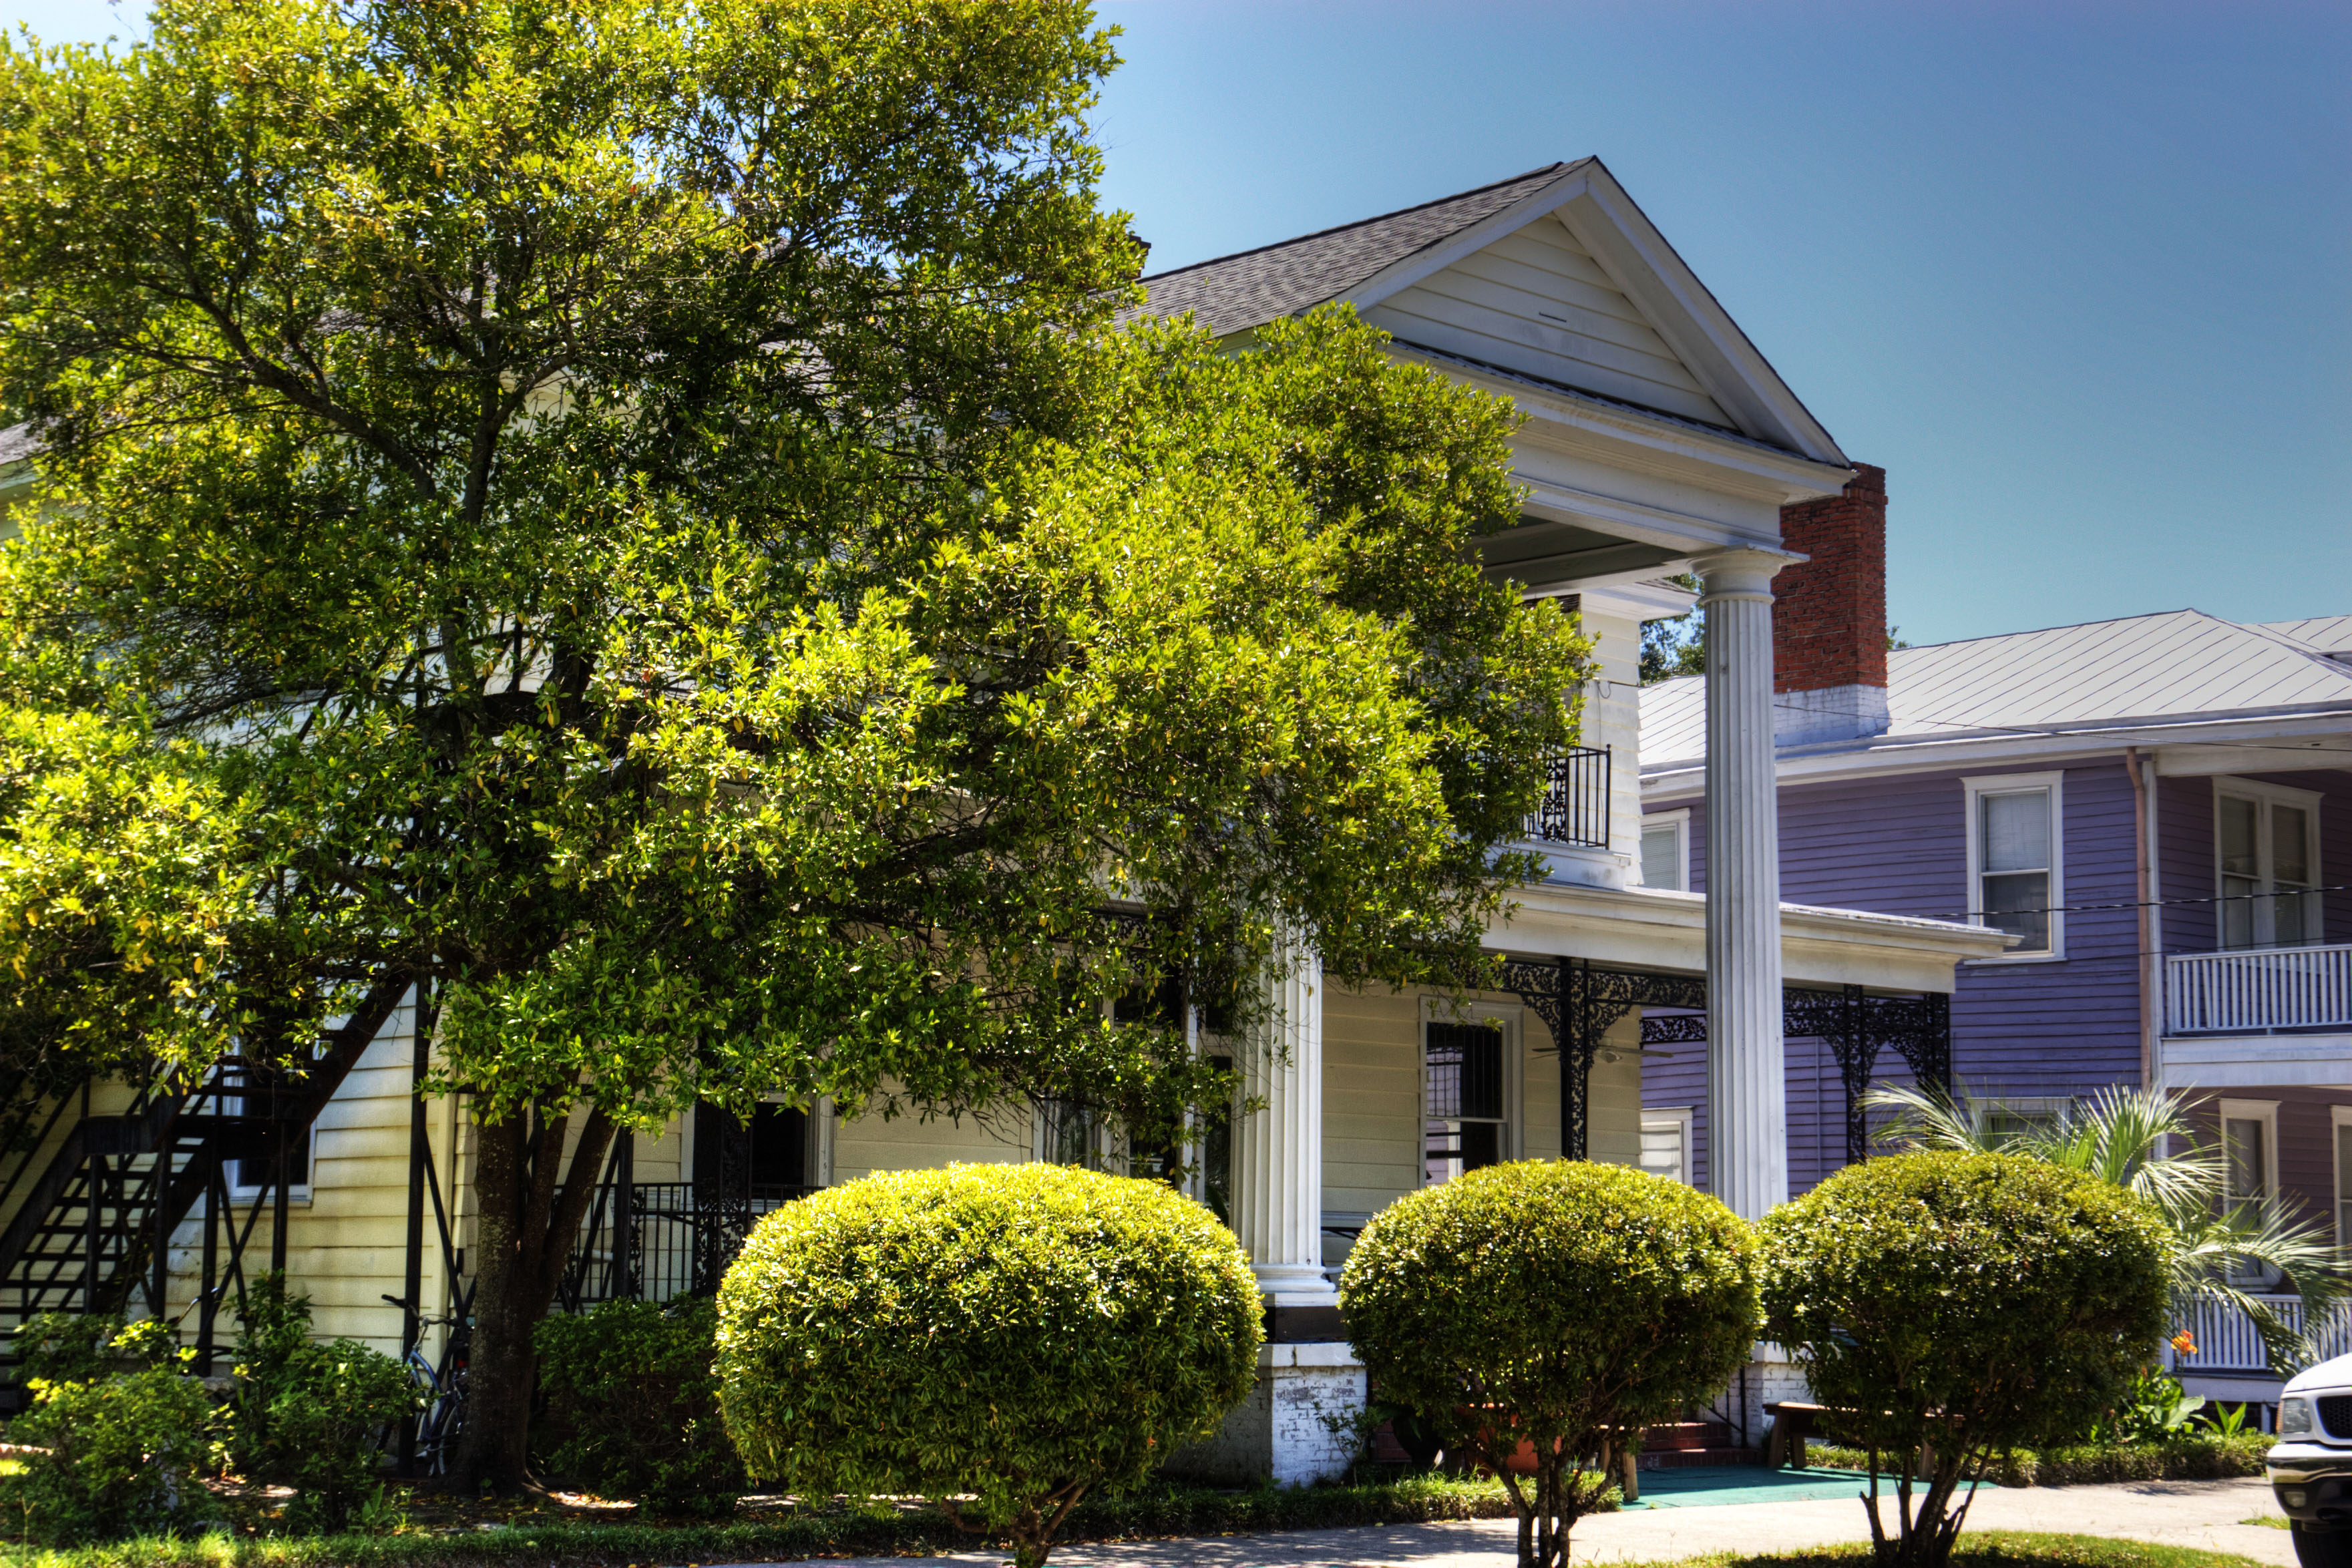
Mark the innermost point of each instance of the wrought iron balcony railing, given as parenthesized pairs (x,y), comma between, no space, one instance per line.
(1575,808)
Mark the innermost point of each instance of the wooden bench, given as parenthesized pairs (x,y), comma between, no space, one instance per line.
(1793,1423)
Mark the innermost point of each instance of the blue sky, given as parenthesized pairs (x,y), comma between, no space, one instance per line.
(2078,275)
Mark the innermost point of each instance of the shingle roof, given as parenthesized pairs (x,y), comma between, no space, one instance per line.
(2171,666)
(1251,287)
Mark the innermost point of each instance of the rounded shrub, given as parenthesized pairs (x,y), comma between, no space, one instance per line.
(1552,1306)
(118,1438)
(1964,1304)
(1018,1334)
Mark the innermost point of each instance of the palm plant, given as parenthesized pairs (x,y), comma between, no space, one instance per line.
(2145,1142)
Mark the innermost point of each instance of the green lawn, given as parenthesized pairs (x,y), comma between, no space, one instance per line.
(1994,1548)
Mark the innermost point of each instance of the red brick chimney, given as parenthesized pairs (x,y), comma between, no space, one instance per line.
(1829,617)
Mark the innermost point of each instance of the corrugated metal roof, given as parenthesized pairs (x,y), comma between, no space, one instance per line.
(2328,634)
(2175,664)
(1251,287)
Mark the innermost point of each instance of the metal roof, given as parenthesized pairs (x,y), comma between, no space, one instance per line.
(1251,287)
(2176,665)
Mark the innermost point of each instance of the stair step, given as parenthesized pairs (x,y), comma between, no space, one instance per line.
(1690,1459)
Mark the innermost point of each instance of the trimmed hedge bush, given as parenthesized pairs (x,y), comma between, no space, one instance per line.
(128,1434)
(1554,1305)
(309,1415)
(1024,1334)
(632,1406)
(2195,1457)
(1965,1303)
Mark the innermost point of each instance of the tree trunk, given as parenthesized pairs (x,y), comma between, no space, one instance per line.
(522,1242)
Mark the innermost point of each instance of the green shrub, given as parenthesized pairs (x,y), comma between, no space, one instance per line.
(1024,1334)
(1966,1304)
(2183,1457)
(634,1404)
(1551,1304)
(127,1440)
(311,1416)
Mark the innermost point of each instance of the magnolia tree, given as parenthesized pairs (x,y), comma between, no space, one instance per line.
(637,517)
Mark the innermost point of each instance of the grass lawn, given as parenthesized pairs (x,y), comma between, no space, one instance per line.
(1994,1548)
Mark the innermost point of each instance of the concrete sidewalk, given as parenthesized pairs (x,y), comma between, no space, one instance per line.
(2175,1514)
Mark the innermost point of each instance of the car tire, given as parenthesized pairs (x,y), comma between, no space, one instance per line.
(2320,1549)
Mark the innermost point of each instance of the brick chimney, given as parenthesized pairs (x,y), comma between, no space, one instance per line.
(1829,617)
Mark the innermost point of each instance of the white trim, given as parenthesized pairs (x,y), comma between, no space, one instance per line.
(1679,1118)
(1974,790)
(1884,756)
(1678,820)
(1511,1019)
(2338,1118)
(2308,801)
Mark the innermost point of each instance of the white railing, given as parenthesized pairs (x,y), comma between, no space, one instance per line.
(2226,1341)
(2268,988)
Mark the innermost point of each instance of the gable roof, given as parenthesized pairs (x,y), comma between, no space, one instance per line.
(2327,634)
(1233,293)
(2155,668)
(1554,277)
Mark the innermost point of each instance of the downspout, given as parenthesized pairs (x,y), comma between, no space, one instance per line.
(2144,867)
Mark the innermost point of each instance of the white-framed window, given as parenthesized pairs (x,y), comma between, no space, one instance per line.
(2265,863)
(1666,1141)
(2248,1161)
(1069,1134)
(2016,861)
(248,1179)
(2341,1117)
(2020,1116)
(1470,1087)
(1666,850)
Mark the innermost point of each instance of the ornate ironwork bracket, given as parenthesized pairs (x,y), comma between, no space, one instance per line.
(1579,1004)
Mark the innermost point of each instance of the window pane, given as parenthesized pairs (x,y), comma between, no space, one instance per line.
(2242,1150)
(2017,831)
(2241,856)
(1482,1144)
(1662,861)
(2290,846)
(2288,922)
(1465,1070)
(2237,911)
(2020,902)
(2343,1183)
(1662,1149)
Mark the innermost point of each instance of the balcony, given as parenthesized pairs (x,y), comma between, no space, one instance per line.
(2225,1339)
(1575,809)
(2258,991)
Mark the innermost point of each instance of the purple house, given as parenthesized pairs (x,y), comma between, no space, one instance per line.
(2158,809)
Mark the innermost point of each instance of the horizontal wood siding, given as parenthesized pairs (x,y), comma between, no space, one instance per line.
(1371,1098)
(1898,846)
(2185,867)
(1537,303)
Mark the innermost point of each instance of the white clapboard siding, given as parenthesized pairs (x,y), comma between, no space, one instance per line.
(1371,1098)
(865,1144)
(1534,302)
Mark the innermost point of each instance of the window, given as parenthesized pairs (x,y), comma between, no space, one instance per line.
(2342,1117)
(1069,1134)
(1463,1095)
(1665,1143)
(1666,850)
(248,1178)
(2015,877)
(2249,1164)
(2015,1120)
(2266,857)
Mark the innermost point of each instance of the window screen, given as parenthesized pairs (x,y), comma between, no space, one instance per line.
(1661,856)
(2013,841)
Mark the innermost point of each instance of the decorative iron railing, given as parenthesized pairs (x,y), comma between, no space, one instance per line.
(1575,808)
(653,1258)
(2225,1339)
(2265,988)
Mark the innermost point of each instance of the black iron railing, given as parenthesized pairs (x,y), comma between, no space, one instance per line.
(1575,808)
(651,1257)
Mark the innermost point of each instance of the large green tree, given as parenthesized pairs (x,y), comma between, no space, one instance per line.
(638,515)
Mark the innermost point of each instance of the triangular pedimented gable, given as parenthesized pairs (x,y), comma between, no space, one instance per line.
(1555,275)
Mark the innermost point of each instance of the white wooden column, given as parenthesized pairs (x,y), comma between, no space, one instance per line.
(1746,1083)
(1278,1201)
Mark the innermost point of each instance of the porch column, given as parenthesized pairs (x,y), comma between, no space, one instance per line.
(1747,1091)
(1278,1201)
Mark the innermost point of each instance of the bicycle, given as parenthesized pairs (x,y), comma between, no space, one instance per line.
(440,1389)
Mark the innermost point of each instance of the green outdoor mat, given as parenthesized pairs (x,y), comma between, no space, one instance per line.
(1708,1486)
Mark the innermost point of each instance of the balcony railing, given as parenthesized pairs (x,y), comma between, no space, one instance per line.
(1575,808)
(2226,1341)
(2266,988)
